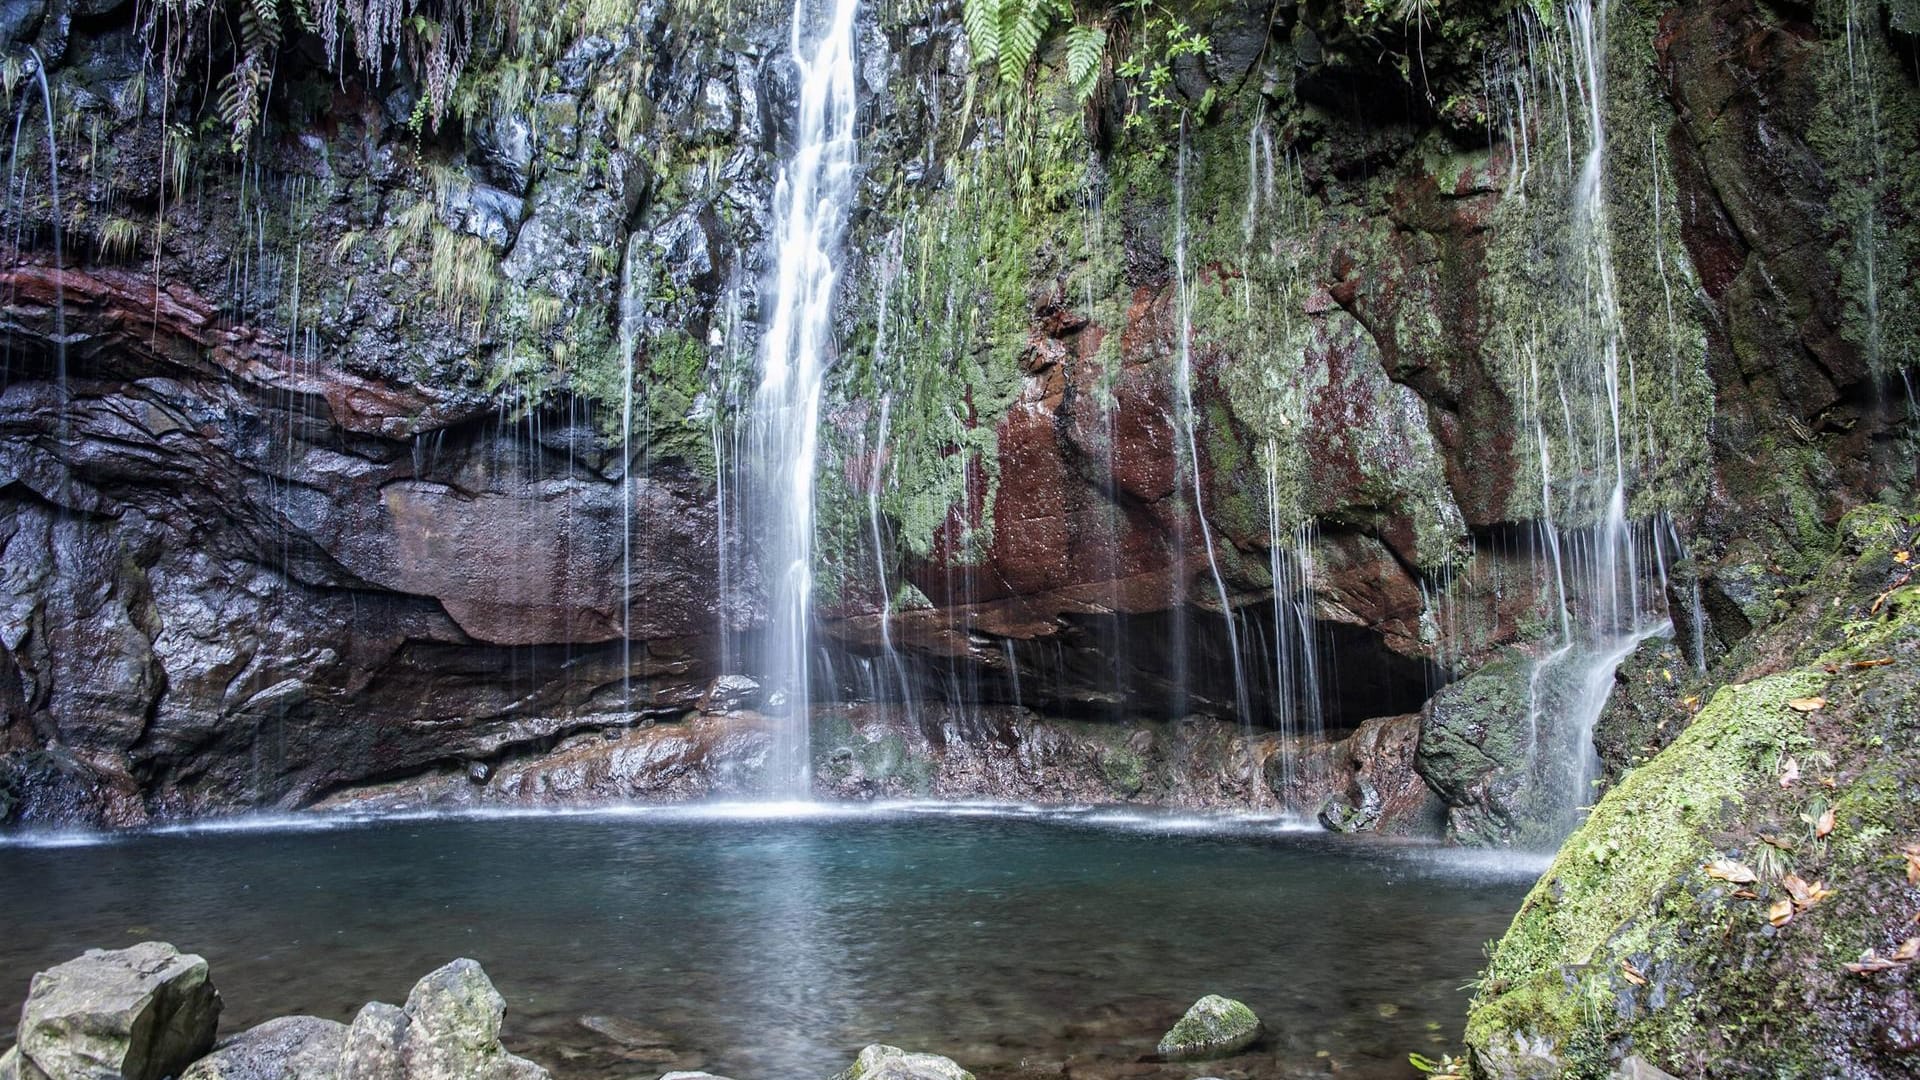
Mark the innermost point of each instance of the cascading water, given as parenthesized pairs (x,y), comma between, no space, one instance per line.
(810,210)
(1606,597)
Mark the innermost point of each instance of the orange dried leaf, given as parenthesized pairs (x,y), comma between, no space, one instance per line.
(1728,870)
(1824,825)
(1908,951)
(1749,894)
(1780,913)
(1790,773)
(1912,852)
(1634,975)
(1797,889)
(1807,704)
(1862,665)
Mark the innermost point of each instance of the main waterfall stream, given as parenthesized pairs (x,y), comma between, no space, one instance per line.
(775,947)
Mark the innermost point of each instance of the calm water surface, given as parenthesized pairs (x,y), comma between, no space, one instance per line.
(769,947)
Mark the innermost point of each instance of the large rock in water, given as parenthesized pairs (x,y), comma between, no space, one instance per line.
(286,1048)
(448,1030)
(141,1013)
(1214,1027)
(879,1062)
(1474,746)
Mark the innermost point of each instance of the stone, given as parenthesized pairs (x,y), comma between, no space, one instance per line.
(1214,1027)
(141,1013)
(373,1044)
(692,1076)
(1638,1068)
(1473,751)
(286,1048)
(878,1062)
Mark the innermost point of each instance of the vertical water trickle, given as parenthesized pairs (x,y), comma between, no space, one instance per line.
(1187,423)
(1607,604)
(811,202)
(632,308)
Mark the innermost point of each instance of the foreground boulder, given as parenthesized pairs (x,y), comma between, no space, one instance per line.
(1742,904)
(1214,1027)
(879,1062)
(141,1013)
(448,1030)
(286,1048)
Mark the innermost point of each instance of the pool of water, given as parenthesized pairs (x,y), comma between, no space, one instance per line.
(769,945)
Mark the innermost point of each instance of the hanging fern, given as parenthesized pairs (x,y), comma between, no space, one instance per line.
(1008,33)
(1086,45)
(243,93)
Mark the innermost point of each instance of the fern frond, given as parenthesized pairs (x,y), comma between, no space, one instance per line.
(1085,47)
(982,18)
(1022,22)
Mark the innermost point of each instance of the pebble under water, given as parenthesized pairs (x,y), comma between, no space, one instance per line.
(775,946)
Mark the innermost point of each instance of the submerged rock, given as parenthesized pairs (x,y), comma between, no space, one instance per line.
(141,1013)
(879,1062)
(1214,1027)
(286,1048)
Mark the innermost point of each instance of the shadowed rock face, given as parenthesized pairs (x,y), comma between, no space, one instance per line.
(244,569)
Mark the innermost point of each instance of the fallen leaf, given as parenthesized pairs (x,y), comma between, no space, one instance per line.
(1749,894)
(1728,870)
(1635,975)
(1862,665)
(1773,841)
(1797,888)
(1807,704)
(1912,852)
(1690,700)
(1780,913)
(1825,824)
(1908,950)
(1902,556)
(1790,774)
(1667,673)
(1870,963)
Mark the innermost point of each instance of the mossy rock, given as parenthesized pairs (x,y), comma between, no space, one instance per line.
(878,1062)
(1214,1027)
(1646,935)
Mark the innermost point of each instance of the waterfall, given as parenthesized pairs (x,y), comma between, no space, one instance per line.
(1188,423)
(1605,593)
(810,210)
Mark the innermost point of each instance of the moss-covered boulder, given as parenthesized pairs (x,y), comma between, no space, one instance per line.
(878,1062)
(1474,747)
(1738,905)
(1214,1027)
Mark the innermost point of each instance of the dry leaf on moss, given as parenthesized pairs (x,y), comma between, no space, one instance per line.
(1728,870)
(1807,704)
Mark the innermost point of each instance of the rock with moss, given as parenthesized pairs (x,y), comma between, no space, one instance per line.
(1213,1027)
(878,1062)
(1655,690)
(448,1030)
(1738,904)
(1474,745)
(285,1048)
(141,1013)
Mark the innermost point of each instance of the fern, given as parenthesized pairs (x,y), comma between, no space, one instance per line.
(1022,24)
(982,18)
(1086,45)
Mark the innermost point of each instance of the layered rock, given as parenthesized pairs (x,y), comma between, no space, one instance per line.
(360,504)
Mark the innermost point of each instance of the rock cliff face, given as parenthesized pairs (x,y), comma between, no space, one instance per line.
(405,440)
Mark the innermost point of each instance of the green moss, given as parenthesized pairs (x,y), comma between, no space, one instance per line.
(1628,941)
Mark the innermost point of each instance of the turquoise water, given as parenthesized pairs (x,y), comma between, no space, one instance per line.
(765,945)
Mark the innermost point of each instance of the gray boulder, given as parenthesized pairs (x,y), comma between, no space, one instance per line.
(448,1030)
(139,1014)
(1214,1027)
(287,1048)
(879,1062)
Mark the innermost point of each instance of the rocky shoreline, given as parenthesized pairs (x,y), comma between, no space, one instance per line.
(150,1012)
